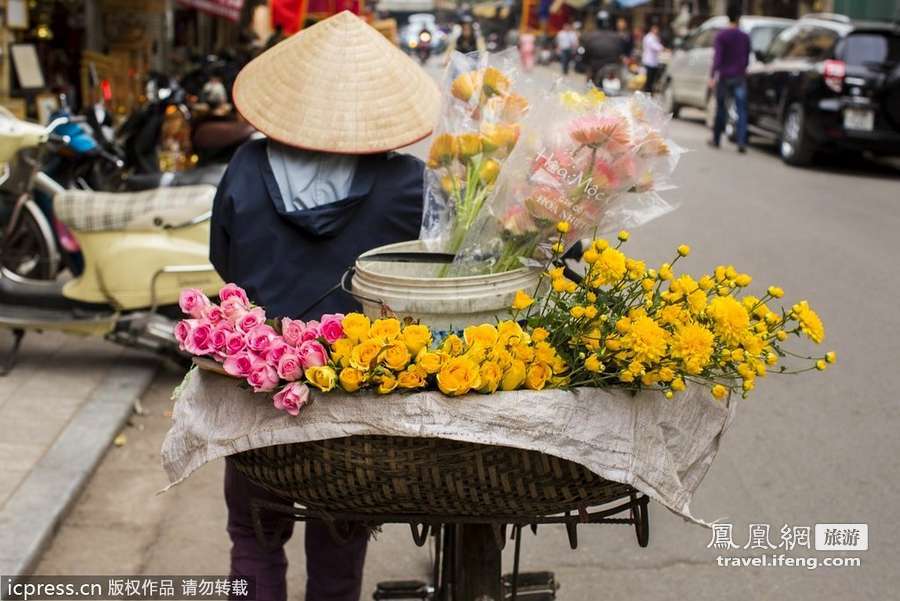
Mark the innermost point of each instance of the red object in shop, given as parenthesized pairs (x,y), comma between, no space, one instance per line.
(290,15)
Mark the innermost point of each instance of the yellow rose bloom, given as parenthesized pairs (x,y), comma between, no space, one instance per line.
(412,377)
(363,354)
(536,375)
(341,350)
(355,326)
(386,383)
(452,345)
(385,330)
(514,375)
(430,361)
(522,300)
(322,377)
(491,374)
(484,335)
(351,379)
(416,337)
(395,356)
(523,352)
(458,376)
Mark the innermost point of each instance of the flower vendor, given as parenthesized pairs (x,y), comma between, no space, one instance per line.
(295,210)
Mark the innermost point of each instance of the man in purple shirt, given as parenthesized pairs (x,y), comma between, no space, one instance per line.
(728,77)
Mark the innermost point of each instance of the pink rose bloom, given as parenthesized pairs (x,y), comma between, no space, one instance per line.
(292,331)
(199,341)
(219,337)
(214,314)
(312,354)
(312,332)
(234,291)
(331,327)
(233,309)
(263,378)
(251,319)
(193,302)
(260,338)
(234,343)
(183,330)
(239,365)
(277,348)
(289,367)
(291,398)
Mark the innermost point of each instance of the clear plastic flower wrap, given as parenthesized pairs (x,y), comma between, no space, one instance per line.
(596,163)
(477,130)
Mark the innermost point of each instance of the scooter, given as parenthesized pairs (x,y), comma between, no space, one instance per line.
(423,48)
(140,249)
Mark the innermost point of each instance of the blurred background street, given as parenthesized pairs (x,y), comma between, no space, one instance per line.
(800,452)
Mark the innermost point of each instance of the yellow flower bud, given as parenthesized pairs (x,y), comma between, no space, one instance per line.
(563,227)
(684,250)
(677,385)
(593,364)
(623,235)
(489,171)
(443,149)
(467,146)
(719,391)
(590,312)
(771,358)
(668,394)
(558,248)
(590,256)
(781,335)
(464,85)
(577,312)
(521,300)
(830,357)
(775,291)
(821,365)
(743,280)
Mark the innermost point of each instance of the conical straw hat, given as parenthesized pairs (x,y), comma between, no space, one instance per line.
(339,86)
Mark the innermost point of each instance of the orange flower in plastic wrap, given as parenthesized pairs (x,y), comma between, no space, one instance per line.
(465,85)
(443,150)
(607,131)
(494,82)
(499,136)
(467,146)
(514,108)
(653,145)
(489,172)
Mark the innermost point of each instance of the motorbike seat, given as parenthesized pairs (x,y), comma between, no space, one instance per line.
(90,211)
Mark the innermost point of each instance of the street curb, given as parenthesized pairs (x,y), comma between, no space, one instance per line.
(30,518)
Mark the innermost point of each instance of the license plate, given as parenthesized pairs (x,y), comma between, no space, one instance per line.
(859,119)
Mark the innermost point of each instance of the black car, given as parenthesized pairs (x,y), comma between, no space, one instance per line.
(828,83)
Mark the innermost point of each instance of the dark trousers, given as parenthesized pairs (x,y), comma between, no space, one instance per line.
(334,571)
(736,88)
(652,75)
(565,58)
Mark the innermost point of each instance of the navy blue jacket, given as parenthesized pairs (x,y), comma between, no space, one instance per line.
(286,260)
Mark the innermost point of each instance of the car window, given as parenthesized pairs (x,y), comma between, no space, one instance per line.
(783,42)
(761,37)
(813,43)
(863,48)
(706,37)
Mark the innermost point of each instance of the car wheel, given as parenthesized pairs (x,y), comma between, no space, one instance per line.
(668,100)
(795,146)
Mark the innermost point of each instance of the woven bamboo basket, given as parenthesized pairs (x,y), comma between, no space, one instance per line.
(426,476)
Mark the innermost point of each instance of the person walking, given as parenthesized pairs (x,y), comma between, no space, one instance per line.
(651,47)
(566,45)
(295,210)
(602,51)
(728,78)
(527,49)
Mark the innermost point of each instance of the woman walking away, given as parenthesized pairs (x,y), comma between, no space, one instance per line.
(293,212)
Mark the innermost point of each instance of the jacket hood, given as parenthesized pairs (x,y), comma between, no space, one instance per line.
(324,220)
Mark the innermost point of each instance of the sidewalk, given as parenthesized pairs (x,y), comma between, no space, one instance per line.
(60,407)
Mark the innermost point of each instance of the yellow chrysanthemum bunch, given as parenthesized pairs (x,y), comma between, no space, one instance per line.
(385,355)
(624,324)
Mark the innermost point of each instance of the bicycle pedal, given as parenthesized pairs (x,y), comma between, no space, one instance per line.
(531,586)
(402,589)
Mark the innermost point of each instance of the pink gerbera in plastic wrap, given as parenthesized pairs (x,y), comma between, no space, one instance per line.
(607,131)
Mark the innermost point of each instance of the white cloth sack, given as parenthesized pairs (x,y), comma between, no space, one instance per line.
(661,447)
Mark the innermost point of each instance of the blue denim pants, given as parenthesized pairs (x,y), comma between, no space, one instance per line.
(731,87)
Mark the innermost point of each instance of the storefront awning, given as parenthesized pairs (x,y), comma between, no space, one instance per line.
(228,9)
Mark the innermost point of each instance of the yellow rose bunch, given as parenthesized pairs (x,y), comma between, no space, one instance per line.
(386,355)
(624,324)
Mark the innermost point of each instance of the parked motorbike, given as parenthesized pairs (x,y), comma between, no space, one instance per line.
(140,249)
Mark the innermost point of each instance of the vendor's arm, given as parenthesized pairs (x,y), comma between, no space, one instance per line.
(407,183)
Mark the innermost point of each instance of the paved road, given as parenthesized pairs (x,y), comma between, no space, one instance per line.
(821,448)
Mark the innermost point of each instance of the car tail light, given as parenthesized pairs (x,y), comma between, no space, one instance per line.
(834,72)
